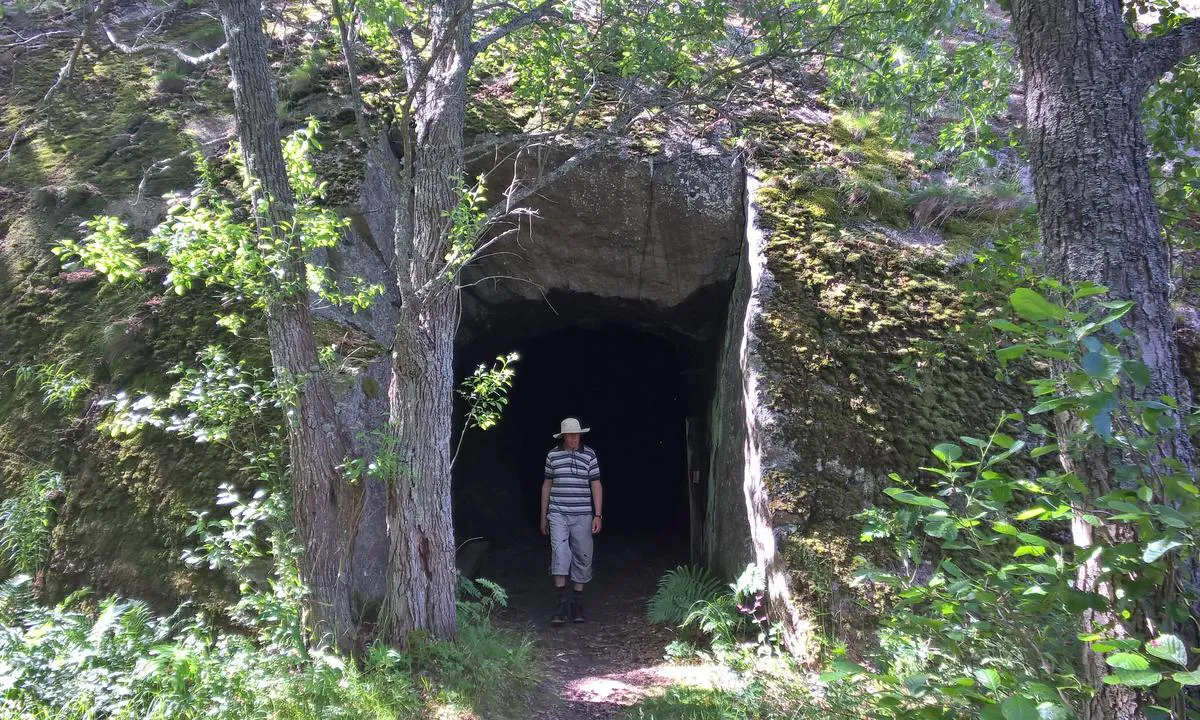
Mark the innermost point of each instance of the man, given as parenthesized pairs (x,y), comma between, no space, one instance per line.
(572,500)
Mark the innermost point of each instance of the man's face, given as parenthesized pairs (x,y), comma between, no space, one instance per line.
(571,441)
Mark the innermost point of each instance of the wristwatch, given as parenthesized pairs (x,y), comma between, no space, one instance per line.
(598,517)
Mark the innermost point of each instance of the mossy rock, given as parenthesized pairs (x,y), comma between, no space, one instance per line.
(847,303)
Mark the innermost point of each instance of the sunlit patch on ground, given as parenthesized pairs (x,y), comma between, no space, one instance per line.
(628,688)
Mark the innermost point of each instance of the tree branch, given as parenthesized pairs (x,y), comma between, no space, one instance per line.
(351,58)
(408,52)
(523,20)
(64,73)
(163,48)
(521,192)
(1157,55)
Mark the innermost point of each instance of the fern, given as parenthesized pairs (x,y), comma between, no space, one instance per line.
(719,619)
(16,593)
(679,590)
(25,520)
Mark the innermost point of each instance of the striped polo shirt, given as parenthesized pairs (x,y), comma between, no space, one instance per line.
(572,472)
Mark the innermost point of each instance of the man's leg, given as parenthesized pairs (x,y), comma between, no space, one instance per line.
(560,565)
(581,562)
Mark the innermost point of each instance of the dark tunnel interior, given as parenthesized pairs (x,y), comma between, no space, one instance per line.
(629,386)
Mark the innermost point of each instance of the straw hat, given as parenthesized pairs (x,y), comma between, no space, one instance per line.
(568,426)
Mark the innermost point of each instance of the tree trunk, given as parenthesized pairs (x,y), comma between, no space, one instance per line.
(421,570)
(324,505)
(1084,82)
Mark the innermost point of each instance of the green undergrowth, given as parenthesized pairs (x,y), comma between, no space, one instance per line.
(118,659)
(866,338)
(116,137)
(774,694)
(126,500)
(114,125)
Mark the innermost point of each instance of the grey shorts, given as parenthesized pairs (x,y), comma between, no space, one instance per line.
(571,546)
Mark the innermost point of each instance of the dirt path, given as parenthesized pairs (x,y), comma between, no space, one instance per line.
(593,670)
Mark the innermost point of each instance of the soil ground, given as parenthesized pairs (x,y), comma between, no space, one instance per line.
(593,670)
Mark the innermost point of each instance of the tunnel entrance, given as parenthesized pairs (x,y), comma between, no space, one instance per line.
(630,387)
(617,292)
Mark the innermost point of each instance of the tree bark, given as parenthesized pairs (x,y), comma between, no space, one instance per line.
(324,505)
(1084,79)
(421,570)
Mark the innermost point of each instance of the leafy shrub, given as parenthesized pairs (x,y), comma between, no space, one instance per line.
(679,590)
(122,661)
(992,617)
(60,386)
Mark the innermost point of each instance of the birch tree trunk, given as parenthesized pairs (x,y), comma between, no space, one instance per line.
(324,505)
(1085,78)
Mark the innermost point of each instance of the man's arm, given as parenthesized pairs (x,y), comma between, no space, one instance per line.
(545,523)
(597,494)
(598,503)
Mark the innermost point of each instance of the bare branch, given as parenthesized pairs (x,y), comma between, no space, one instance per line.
(22,41)
(163,48)
(64,73)
(351,56)
(482,280)
(523,191)
(1156,56)
(412,58)
(485,144)
(525,19)
(408,51)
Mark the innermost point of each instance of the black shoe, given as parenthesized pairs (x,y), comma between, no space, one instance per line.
(560,613)
(577,612)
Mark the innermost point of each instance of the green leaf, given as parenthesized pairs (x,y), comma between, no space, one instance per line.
(991,712)
(1052,404)
(1169,648)
(1031,513)
(1166,689)
(1088,289)
(1172,517)
(942,527)
(1050,711)
(1187,678)
(1032,306)
(1158,548)
(1101,365)
(1037,452)
(1012,352)
(1016,707)
(947,452)
(913,499)
(988,678)
(1138,372)
(1034,550)
(1133,678)
(1128,661)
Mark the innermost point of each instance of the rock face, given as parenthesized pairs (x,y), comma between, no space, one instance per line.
(743,439)
(620,238)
